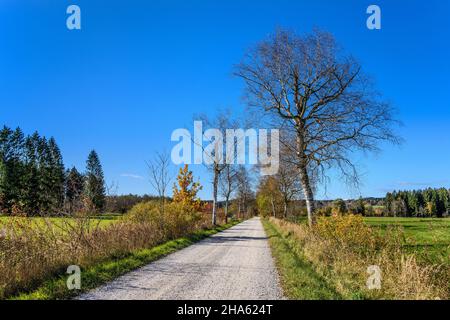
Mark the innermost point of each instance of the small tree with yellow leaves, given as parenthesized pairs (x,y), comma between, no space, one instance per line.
(185,190)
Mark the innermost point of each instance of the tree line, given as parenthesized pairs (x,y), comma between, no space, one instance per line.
(34,181)
(418,203)
(123,203)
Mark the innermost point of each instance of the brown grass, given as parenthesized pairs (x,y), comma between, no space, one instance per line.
(32,251)
(342,249)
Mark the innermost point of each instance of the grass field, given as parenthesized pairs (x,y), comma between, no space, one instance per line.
(100,220)
(430,237)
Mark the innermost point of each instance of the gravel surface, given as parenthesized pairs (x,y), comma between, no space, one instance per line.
(233,264)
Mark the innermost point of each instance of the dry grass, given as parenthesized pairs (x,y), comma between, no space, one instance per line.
(32,251)
(342,248)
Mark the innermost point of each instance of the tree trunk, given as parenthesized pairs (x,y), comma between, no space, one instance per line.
(273,208)
(309,196)
(304,177)
(163,202)
(214,210)
(226,210)
(285,209)
(239,208)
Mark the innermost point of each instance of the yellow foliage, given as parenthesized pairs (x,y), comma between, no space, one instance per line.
(173,221)
(185,191)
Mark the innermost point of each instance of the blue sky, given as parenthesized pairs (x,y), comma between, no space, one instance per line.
(140,69)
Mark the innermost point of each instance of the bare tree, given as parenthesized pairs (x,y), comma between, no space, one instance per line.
(288,184)
(159,175)
(111,194)
(228,184)
(244,191)
(326,107)
(216,156)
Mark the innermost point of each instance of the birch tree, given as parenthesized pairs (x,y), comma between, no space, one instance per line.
(159,175)
(323,101)
(228,184)
(215,153)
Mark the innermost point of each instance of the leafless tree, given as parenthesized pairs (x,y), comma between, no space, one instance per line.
(288,183)
(111,194)
(216,161)
(159,175)
(326,106)
(244,191)
(228,184)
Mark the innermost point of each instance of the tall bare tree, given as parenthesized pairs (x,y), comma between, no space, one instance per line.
(216,155)
(228,184)
(244,192)
(288,183)
(325,105)
(159,175)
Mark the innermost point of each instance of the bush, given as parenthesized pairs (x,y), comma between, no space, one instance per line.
(173,219)
(325,211)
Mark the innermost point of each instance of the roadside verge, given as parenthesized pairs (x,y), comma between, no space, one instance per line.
(297,275)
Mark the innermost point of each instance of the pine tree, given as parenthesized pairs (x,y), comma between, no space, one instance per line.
(74,189)
(57,176)
(45,177)
(31,179)
(5,154)
(95,183)
(11,169)
(17,169)
(31,174)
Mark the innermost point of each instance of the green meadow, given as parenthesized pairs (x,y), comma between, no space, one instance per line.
(428,236)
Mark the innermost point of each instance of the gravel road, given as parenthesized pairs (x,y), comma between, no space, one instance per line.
(233,264)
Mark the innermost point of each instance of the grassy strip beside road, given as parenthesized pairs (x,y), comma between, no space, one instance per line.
(298,278)
(96,275)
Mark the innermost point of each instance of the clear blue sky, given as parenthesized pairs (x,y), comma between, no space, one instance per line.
(140,69)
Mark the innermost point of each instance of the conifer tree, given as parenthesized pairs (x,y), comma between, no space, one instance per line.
(31,176)
(95,183)
(57,176)
(45,177)
(5,153)
(74,189)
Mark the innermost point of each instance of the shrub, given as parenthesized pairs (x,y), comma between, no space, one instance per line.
(339,207)
(174,219)
(325,211)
